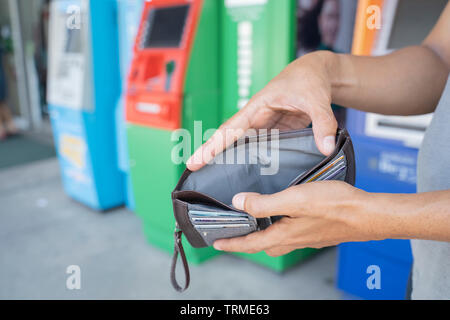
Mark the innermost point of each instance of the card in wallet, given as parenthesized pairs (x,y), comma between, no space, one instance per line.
(202,200)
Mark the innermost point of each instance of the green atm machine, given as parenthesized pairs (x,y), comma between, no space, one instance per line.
(258,40)
(173,82)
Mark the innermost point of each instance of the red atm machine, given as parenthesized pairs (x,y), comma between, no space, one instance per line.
(173,81)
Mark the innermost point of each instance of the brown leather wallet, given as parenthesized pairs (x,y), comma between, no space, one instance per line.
(266,164)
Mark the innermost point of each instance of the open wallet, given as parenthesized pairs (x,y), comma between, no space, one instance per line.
(266,164)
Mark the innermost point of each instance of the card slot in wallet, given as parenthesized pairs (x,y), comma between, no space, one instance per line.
(327,169)
(208,217)
(201,199)
(346,149)
(333,172)
(211,217)
(220,209)
(209,220)
(338,175)
(210,233)
(340,142)
(221,226)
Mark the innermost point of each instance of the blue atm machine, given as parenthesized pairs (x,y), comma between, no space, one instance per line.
(128,15)
(83,89)
(386,150)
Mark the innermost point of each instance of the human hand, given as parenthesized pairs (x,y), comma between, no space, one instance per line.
(316,215)
(299,95)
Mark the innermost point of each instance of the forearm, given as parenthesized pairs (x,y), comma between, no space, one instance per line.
(405,82)
(406,216)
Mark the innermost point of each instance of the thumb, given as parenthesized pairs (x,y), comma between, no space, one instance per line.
(259,205)
(324,126)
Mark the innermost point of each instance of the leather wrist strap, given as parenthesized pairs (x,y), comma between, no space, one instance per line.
(178,249)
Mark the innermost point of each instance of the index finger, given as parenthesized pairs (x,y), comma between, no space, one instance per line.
(225,135)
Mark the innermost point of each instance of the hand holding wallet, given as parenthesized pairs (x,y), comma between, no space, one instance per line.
(202,200)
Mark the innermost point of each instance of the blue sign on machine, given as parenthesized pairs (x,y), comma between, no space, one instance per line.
(386,149)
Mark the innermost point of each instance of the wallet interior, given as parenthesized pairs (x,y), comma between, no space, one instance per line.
(297,155)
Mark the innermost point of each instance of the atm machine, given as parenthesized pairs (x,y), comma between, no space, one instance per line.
(83,87)
(386,148)
(173,81)
(128,14)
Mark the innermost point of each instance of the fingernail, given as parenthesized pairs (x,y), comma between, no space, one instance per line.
(195,159)
(329,144)
(238,201)
(217,246)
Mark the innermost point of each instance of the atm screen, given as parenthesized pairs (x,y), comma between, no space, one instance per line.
(165,27)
